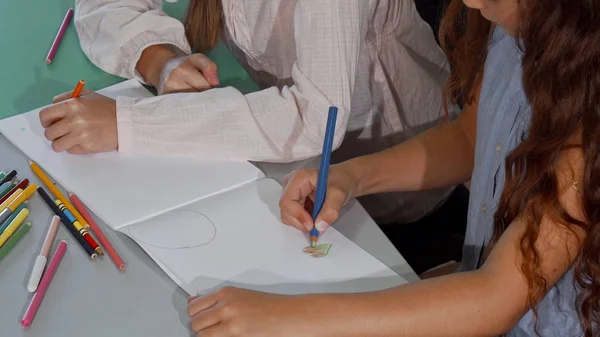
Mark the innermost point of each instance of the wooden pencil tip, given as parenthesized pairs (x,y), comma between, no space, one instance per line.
(48,61)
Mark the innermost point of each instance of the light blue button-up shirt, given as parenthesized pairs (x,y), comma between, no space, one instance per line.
(503,120)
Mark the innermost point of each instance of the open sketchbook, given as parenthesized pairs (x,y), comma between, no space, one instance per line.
(205,223)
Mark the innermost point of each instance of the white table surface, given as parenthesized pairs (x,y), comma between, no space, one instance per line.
(89,299)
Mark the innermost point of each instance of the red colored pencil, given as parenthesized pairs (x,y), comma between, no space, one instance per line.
(22,184)
(59,36)
(110,250)
(90,240)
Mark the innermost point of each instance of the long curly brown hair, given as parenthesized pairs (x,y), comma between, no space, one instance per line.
(560,40)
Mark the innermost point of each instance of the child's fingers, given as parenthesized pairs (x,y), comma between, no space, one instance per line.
(51,114)
(198,305)
(77,149)
(295,202)
(67,95)
(330,212)
(197,81)
(293,214)
(309,205)
(291,221)
(57,129)
(65,142)
(207,67)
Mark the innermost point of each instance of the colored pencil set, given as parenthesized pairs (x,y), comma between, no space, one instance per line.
(75,219)
(69,216)
(14,203)
(13,212)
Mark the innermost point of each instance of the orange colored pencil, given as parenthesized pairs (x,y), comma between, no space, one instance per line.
(76,93)
(78,89)
(37,170)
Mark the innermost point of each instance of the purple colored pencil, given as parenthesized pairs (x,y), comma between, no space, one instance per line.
(59,36)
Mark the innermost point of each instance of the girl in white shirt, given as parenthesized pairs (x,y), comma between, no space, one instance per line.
(377,61)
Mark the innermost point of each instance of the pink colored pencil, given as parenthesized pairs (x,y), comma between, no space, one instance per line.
(110,250)
(37,298)
(59,35)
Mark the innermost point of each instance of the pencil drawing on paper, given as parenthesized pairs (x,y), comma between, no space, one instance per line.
(317,251)
(179,229)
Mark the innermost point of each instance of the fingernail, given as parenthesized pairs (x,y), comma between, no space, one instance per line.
(321,226)
(308,226)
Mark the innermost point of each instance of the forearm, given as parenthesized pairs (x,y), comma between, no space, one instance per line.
(152,60)
(224,124)
(440,157)
(462,305)
(113,34)
(486,302)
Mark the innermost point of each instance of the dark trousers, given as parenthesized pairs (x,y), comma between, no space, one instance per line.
(435,239)
(439,237)
(432,11)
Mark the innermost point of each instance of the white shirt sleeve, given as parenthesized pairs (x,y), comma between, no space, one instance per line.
(113,33)
(269,125)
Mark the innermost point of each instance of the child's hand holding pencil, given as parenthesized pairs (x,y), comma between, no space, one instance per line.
(311,199)
(87,124)
(296,202)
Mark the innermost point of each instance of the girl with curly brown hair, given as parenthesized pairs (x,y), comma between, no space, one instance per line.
(527,73)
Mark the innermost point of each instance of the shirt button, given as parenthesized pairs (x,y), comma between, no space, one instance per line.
(498,147)
(483,208)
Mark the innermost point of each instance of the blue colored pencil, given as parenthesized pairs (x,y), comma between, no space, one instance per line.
(6,187)
(323,171)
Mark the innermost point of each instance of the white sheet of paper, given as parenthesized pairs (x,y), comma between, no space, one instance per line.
(125,189)
(236,238)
